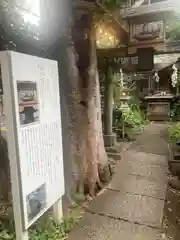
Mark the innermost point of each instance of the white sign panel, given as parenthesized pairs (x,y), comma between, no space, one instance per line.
(32,107)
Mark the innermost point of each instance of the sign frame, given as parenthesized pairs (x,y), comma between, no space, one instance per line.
(8,79)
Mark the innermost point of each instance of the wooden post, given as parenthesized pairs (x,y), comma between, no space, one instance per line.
(108,106)
(109,136)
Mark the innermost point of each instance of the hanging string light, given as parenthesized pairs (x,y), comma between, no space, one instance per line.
(106,37)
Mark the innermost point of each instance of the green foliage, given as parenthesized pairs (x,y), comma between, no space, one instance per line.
(44,229)
(7,229)
(47,229)
(131,117)
(173,29)
(175,111)
(174,132)
(106,8)
(114,4)
(134,103)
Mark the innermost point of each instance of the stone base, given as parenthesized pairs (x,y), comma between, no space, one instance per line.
(110,140)
(112,149)
(113,153)
(115,156)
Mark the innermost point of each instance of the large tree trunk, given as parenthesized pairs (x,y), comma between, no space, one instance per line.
(87,140)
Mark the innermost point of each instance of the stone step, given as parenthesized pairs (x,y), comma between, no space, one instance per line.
(177,156)
(111,150)
(115,156)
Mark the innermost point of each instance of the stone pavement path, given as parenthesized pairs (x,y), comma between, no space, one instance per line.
(131,206)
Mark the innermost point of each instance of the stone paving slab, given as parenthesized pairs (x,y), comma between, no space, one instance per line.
(139,185)
(147,170)
(154,159)
(96,227)
(153,150)
(134,208)
(152,140)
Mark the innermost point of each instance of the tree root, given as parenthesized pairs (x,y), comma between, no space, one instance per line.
(86,186)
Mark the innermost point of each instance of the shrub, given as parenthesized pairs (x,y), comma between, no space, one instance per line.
(175,110)
(174,132)
(132,118)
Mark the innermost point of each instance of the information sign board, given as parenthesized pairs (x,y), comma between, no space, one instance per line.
(32,109)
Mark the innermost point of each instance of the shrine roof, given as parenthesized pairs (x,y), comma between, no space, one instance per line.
(162,61)
(140,9)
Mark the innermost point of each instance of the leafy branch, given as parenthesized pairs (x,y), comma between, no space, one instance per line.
(112,4)
(173,29)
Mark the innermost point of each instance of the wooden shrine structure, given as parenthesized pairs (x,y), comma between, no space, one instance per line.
(148,52)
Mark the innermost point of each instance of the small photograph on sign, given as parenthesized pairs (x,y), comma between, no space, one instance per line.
(36,202)
(28,102)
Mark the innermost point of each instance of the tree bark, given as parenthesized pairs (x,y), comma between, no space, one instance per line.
(87,141)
